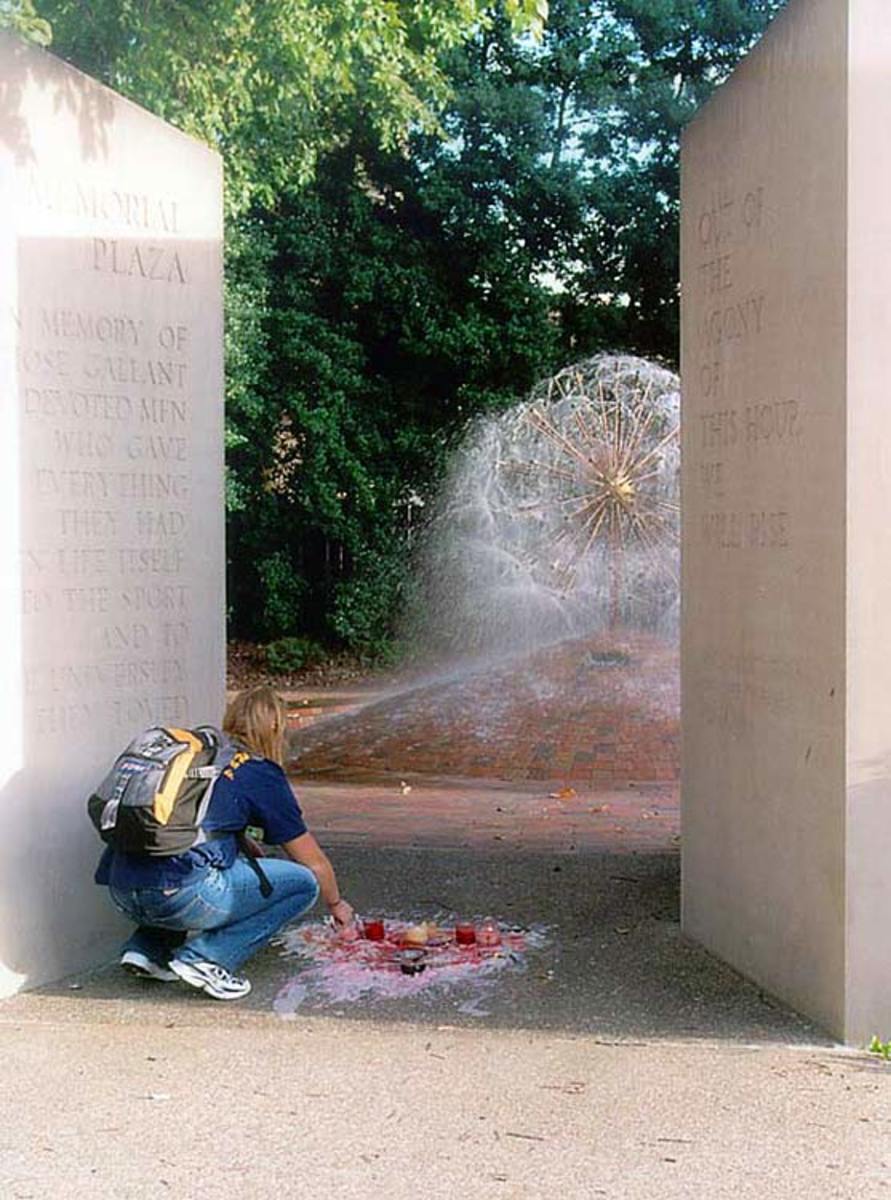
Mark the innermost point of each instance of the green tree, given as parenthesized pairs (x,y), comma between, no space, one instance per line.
(271,85)
(421,286)
(20,17)
(276,88)
(429,208)
(567,150)
(624,100)
(386,333)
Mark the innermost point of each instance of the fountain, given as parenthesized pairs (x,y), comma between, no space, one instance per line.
(545,613)
(558,518)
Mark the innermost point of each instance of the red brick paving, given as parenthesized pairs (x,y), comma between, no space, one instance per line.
(594,722)
(590,712)
(486,816)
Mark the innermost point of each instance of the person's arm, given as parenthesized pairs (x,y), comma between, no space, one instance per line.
(307,851)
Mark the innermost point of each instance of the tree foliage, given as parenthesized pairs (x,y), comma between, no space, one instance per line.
(422,285)
(387,328)
(627,75)
(19,16)
(570,148)
(272,85)
(431,205)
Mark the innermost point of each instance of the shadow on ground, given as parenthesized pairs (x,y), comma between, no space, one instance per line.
(615,965)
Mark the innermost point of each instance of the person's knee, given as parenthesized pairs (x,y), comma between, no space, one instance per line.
(300,883)
(310,886)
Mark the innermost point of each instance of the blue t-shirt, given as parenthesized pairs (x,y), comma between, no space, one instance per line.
(251,791)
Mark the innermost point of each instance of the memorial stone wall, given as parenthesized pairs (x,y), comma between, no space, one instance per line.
(786,644)
(112,604)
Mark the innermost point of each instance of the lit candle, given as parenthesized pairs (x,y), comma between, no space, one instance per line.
(465,934)
(489,934)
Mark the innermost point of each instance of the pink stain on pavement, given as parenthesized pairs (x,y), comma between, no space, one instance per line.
(338,970)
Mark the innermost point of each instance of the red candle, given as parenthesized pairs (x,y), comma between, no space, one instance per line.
(374,929)
(465,934)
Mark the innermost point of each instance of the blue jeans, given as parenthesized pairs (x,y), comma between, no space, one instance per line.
(226,909)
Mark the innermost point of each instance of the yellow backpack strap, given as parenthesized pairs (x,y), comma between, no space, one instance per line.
(165,797)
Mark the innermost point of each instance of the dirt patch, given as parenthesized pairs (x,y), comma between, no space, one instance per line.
(246,667)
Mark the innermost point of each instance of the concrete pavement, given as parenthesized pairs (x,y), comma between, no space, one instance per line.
(623,1063)
(324,1107)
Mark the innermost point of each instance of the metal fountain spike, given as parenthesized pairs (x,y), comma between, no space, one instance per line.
(608,452)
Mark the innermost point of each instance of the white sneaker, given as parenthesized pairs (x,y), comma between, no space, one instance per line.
(211,978)
(139,964)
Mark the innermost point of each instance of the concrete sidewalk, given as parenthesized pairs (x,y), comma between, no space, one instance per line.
(625,1062)
(327,1108)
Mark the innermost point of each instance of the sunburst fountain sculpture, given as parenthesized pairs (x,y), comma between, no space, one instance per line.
(560,517)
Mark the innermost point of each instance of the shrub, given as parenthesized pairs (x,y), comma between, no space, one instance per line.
(366,607)
(284,591)
(289,654)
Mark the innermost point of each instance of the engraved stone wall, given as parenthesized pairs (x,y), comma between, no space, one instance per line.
(112,528)
(778,517)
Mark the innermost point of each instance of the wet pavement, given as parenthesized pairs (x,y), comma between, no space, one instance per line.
(595,712)
(491,815)
(617,1060)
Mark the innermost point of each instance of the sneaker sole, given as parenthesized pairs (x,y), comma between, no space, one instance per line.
(195,979)
(156,973)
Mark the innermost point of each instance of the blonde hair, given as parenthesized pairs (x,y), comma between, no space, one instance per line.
(257,717)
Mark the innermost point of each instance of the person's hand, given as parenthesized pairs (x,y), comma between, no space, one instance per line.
(342,913)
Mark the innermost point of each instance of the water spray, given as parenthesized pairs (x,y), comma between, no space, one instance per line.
(560,517)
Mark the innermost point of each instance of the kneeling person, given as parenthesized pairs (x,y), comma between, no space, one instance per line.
(212,891)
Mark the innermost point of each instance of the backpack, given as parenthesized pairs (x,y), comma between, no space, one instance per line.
(154,799)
